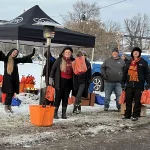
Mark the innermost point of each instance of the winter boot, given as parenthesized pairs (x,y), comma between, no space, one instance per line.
(79,109)
(135,119)
(6,108)
(10,109)
(75,108)
(56,113)
(64,112)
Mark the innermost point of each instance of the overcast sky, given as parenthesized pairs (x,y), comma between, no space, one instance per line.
(9,9)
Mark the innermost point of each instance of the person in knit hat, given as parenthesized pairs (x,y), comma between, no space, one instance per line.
(81,84)
(112,71)
(61,78)
(135,74)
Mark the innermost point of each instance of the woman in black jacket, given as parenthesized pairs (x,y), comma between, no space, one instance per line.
(61,77)
(135,74)
(11,76)
(81,84)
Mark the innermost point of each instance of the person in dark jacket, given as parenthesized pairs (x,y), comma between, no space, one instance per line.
(81,84)
(51,62)
(112,71)
(11,76)
(135,74)
(43,90)
(61,77)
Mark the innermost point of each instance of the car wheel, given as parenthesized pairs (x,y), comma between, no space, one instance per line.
(98,83)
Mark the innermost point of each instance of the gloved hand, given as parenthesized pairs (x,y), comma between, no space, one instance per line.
(147,87)
(123,87)
(51,81)
(33,52)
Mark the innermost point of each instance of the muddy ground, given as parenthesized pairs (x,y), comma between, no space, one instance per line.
(90,130)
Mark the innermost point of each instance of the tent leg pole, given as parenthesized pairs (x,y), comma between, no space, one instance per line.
(41,82)
(18,44)
(92,57)
(48,56)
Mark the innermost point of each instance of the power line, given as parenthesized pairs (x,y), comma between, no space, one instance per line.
(113,4)
(116,3)
(108,5)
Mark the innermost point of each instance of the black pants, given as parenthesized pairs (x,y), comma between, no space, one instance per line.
(8,99)
(63,92)
(80,91)
(133,94)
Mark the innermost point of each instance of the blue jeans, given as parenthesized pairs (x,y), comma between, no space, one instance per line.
(109,88)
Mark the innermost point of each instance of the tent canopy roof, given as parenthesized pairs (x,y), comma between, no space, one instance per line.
(22,28)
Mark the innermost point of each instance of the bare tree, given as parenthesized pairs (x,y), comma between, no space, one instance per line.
(90,23)
(6,47)
(137,29)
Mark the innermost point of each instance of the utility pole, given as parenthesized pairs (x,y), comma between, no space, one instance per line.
(83,19)
(119,39)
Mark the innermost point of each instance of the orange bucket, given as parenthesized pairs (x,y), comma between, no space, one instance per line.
(29,86)
(41,116)
(21,87)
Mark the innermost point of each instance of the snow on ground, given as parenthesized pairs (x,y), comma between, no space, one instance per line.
(33,69)
(16,128)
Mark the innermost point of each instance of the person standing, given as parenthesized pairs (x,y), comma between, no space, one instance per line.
(51,61)
(112,71)
(61,77)
(11,76)
(135,74)
(81,84)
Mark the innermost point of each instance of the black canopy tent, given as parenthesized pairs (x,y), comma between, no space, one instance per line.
(22,28)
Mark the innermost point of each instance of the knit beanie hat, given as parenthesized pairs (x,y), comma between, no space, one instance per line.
(115,50)
(136,49)
(68,47)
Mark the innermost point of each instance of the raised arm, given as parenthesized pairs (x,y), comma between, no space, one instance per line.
(26,59)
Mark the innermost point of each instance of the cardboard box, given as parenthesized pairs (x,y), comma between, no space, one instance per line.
(143,109)
(89,101)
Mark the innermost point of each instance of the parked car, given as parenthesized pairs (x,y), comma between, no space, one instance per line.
(97,77)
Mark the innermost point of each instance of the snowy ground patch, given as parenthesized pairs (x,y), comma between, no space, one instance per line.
(16,128)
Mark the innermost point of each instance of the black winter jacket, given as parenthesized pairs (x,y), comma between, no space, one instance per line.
(143,75)
(56,73)
(84,78)
(11,82)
